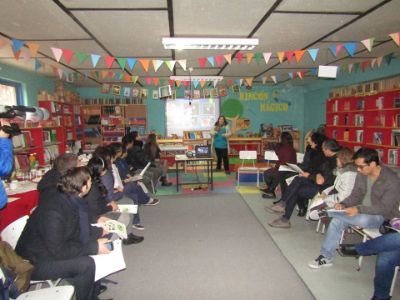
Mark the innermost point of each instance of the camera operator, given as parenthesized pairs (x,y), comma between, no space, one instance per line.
(6,159)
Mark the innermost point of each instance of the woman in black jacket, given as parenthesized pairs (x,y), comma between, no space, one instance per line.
(58,242)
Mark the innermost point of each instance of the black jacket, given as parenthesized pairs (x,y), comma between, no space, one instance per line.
(97,203)
(53,232)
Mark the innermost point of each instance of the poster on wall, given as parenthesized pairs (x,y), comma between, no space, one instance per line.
(135,92)
(235,88)
(116,90)
(155,94)
(126,92)
(145,93)
(222,91)
(105,88)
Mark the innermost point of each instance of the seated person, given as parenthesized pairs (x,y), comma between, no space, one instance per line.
(309,183)
(375,197)
(387,247)
(345,178)
(57,241)
(152,152)
(100,210)
(286,154)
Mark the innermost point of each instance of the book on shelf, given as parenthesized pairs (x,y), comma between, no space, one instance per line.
(359,120)
(21,161)
(359,136)
(347,106)
(346,119)
(360,104)
(334,134)
(50,153)
(335,120)
(377,138)
(396,102)
(395,137)
(379,102)
(346,135)
(22,140)
(393,156)
(380,119)
(397,121)
(380,154)
(335,106)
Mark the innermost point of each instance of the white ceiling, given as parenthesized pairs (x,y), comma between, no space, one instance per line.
(126,28)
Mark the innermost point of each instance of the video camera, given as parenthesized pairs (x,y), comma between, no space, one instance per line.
(10,112)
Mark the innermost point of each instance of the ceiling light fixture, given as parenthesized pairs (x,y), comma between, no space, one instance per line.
(209,43)
(196,78)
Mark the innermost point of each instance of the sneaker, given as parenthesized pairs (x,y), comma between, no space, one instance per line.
(269,195)
(132,239)
(276,209)
(153,201)
(138,226)
(280,223)
(320,262)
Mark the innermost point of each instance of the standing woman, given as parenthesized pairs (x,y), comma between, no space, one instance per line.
(220,142)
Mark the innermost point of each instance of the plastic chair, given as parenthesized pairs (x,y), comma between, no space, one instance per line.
(12,232)
(246,168)
(65,292)
(299,157)
(396,271)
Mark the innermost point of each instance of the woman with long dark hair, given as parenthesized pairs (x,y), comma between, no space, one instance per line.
(220,134)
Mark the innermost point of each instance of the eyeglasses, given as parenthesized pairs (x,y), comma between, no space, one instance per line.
(361,167)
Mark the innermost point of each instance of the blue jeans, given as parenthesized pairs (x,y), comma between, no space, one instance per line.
(388,249)
(341,221)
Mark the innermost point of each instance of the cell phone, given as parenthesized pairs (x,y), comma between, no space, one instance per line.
(110,246)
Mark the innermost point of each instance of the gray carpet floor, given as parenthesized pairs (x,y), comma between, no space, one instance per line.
(205,247)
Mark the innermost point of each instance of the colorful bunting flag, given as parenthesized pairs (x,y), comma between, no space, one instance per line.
(379,61)
(26,55)
(60,73)
(373,62)
(182,62)
(280,54)
(178,83)
(17,45)
(258,57)
(145,64)
(157,63)
(350,67)
(249,81)
(313,53)
(249,57)
(122,62)
(364,65)
(195,83)
(239,82)
(229,82)
(218,60)
(273,77)
(81,57)
(299,55)
(335,49)
(171,64)
(289,55)
(186,83)
(388,58)
(239,57)
(33,47)
(67,55)
(396,37)
(202,62)
(267,56)
(104,74)
(57,53)
(211,60)
(109,61)
(368,43)
(95,59)
(2,43)
(202,83)
(228,58)
(17,54)
(38,64)
(300,74)
(134,78)
(351,48)
(291,75)
(148,79)
(264,79)
(156,81)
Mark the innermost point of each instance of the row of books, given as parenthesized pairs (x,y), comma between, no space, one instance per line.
(192,135)
(50,153)
(133,100)
(49,136)
(380,103)
(23,140)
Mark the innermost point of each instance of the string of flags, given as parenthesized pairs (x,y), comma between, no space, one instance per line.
(216,60)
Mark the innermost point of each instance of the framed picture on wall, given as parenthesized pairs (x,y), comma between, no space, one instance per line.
(116,90)
(105,88)
(127,91)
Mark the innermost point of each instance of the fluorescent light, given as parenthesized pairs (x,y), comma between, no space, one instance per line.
(196,78)
(209,43)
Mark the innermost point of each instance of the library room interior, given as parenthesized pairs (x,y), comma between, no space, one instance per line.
(181,149)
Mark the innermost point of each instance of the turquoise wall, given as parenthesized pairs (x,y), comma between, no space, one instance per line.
(32,82)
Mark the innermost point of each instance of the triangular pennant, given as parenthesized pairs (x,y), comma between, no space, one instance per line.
(171,82)
(228,58)
(17,45)
(313,53)
(148,79)
(289,55)
(356,67)
(339,48)
(182,62)
(134,78)
(81,57)
(229,82)
(127,77)
(291,75)
(186,83)
(211,60)
(239,82)
(38,64)
(157,63)
(215,82)
(350,67)
(156,81)
(313,71)
(57,53)
(170,64)
(333,49)
(118,75)
(258,57)
(388,58)
(364,65)
(379,61)
(267,56)
(249,57)
(17,54)
(299,54)
(111,74)
(109,61)
(351,48)
(95,59)
(202,62)
(239,57)
(3,42)
(195,83)
(264,79)
(131,62)
(249,81)
(104,74)
(280,54)
(368,43)
(145,64)
(373,62)
(67,53)
(33,47)
(122,62)
(273,77)
(202,83)
(178,83)
(300,74)
(60,73)
(396,37)
(218,60)
(26,55)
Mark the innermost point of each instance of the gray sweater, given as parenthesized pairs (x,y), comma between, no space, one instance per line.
(385,195)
